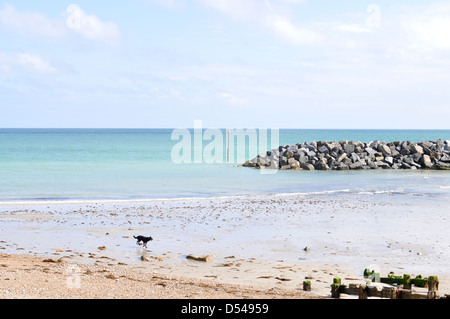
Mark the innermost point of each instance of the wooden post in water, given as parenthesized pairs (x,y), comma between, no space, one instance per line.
(406,281)
(433,284)
(362,292)
(336,288)
(307,285)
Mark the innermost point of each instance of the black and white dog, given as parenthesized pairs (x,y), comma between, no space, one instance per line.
(143,239)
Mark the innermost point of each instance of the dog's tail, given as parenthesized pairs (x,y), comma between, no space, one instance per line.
(135,237)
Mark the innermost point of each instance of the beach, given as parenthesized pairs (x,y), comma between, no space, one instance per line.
(278,149)
(259,246)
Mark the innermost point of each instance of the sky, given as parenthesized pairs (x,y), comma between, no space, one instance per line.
(306,64)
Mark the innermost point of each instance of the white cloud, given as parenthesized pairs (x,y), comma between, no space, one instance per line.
(91,27)
(428,28)
(25,61)
(77,21)
(246,10)
(233,99)
(353,28)
(31,22)
(292,1)
(34,63)
(171,4)
(283,27)
(268,16)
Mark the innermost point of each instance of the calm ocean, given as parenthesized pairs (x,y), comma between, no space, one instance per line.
(102,164)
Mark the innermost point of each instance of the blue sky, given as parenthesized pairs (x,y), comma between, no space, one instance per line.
(229,63)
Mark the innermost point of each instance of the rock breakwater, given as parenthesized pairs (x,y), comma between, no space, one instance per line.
(346,155)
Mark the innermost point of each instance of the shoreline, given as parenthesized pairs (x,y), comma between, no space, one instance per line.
(254,242)
(37,202)
(131,201)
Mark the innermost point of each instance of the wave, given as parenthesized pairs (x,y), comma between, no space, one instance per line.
(375,192)
(313,193)
(160,199)
(174,198)
(68,201)
(86,201)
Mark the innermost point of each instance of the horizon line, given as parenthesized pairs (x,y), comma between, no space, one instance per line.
(214,127)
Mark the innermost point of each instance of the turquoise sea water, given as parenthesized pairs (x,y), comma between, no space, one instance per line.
(102,164)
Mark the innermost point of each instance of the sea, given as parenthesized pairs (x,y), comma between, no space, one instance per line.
(140,164)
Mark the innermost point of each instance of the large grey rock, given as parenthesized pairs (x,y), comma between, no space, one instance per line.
(370,151)
(442,165)
(426,161)
(292,148)
(293,163)
(383,165)
(323,149)
(356,165)
(389,160)
(263,161)
(348,148)
(396,166)
(303,159)
(371,164)
(445,158)
(311,153)
(417,156)
(341,157)
(347,161)
(384,149)
(414,164)
(342,167)
(435,155)
(416,149)
(406,165)
(355,158)
(275,152)
(322,165)
(289,154)
(307,166)
(379,156)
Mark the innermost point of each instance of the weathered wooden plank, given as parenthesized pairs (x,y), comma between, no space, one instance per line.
(401,280)
(352,289)
(407,282)
(362,291)
(433,285)
(307,285)
(336,288)
(389,293)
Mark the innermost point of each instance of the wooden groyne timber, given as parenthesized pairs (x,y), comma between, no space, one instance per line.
(398,287)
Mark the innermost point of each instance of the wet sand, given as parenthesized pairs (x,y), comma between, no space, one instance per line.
(261,246)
